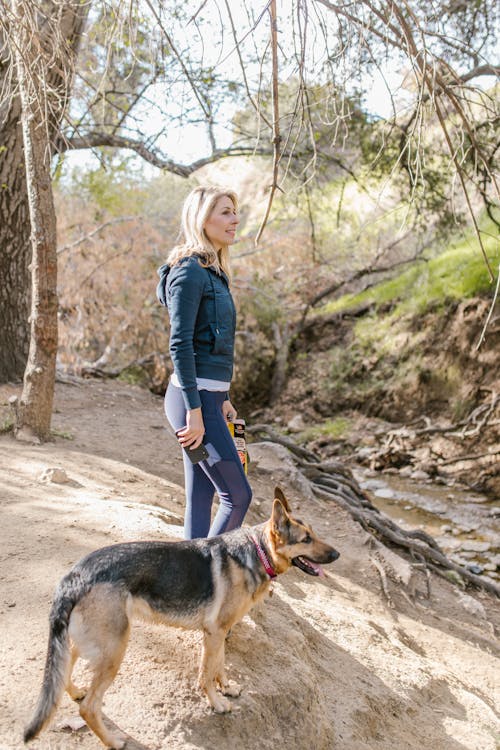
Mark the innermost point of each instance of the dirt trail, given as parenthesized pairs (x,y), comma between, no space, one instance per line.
(325,664)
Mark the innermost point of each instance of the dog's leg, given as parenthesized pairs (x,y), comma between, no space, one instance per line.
(99,629)
(74,692)
(226,686)
(91,706)
(211,667)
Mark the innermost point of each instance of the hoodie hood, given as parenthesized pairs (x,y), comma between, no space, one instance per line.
(161,291)
(164,270)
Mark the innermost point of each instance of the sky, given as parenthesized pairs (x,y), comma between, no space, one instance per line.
(188,142)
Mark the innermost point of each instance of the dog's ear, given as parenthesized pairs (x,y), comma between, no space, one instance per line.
(279,517)
(278,495)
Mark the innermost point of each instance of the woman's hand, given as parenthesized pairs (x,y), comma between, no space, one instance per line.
(229,411)
(192,435)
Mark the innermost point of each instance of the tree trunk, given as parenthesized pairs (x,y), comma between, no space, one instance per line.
(34,410)
(59,27)
(282,342)
(15,249)
(44,57)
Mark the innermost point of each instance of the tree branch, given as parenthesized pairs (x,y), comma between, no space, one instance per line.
(276,116)
(332,288)
(94,140)
(481,70)
(86,237)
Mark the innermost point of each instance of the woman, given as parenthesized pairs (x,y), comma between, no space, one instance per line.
(194,285)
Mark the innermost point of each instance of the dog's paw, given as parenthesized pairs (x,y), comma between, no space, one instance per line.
(231,688)
(220,705)
(118,741)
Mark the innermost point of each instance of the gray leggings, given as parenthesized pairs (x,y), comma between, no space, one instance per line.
(221,472)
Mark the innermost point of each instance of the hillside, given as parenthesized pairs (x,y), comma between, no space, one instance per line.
(325,663)
(413,352)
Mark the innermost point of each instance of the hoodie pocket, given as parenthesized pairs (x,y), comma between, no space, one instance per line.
(222,340)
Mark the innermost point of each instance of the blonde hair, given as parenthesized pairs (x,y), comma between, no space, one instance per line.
(196,210)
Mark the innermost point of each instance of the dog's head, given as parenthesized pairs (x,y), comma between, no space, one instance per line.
(294,542)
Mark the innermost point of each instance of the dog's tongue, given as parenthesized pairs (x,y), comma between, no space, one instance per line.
(319,570)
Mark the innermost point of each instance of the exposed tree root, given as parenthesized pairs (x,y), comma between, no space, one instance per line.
(331,480)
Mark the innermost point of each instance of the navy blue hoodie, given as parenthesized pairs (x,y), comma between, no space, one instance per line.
(202,324)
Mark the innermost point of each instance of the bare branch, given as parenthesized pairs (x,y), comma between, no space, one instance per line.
(493,304)
(90,235)
(254,104)
(93,140)
(481,70)
(201,100)
(367,271)
(276,115)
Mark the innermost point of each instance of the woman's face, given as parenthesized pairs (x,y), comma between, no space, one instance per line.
(220,227)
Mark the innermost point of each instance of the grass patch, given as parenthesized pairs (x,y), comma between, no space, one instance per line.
(62,434)
(457,273)
(6,426)
(335,429)
(134,375)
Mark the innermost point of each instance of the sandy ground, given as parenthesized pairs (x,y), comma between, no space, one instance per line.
(325,663)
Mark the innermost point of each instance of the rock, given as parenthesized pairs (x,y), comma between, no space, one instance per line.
(74,723)
(364,452)
(449,544)
(373,484)
(472,606)
(276,460)
(459,560)
(420,475)
(55,475)
(296,423)
(477,500)
(25,435)
(471,545)
(474,568)
(385,492)
(406,471)
(427,466)
(490,566)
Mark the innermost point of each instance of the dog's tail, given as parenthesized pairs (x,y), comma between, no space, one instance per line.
(57,667)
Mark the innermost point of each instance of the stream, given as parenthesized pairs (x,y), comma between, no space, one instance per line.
(464,523)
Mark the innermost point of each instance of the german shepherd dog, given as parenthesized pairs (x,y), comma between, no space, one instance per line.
(205,584)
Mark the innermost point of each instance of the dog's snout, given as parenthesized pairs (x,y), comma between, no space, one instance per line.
(333,555)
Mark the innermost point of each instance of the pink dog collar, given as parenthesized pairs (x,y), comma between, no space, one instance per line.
(263,558)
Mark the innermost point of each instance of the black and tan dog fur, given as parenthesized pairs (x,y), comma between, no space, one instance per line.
(205,584)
